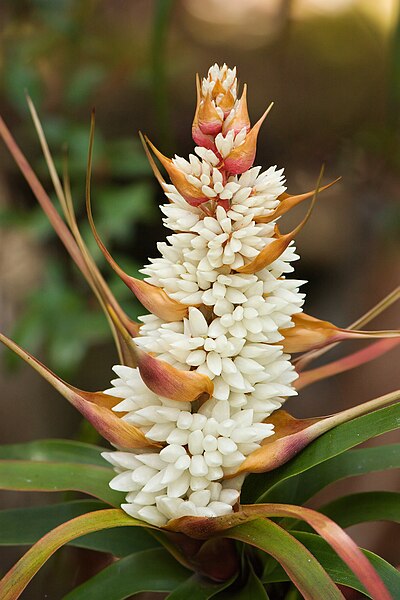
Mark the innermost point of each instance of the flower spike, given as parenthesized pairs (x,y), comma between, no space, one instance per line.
(197,396)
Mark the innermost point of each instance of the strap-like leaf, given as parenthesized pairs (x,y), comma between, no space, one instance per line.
(300,565)
(31,476)
(25,526)
(55,451)
(363,507)
(299,489)
(336,568)
(150,570)
(16,580)
(353,463)
(331,444)
(336,538)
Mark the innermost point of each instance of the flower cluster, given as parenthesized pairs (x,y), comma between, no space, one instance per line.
(221,211)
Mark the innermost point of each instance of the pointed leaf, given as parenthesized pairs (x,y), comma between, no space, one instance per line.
(55,451)
(344,364)
(209,120)
(336,537)
(16,580)
(154,298)
(333,443)
(147,571)
(330,531)
(376,310)
(287,202)
(309,332)
(94,406)
(352,463)
(25,526)
(300,565)
(30,476)
(168,381)
(241,116)
(335,567)
(363,507)
(193,195)
(274,249)
(242,158)
(295,434)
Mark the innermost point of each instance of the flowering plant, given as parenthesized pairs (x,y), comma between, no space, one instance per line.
(195,412)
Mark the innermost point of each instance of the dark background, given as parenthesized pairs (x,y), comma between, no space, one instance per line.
(333,71)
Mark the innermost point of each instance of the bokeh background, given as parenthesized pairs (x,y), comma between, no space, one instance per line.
(332,67)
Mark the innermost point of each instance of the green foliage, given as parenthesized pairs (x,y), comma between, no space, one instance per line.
(273,553)
(134,574)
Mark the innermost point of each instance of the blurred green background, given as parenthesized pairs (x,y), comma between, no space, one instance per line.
(333,70)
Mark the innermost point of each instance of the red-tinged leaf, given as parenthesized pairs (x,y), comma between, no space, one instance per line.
(287,202)
(303,569)
(154,168)
(167,381)
(242,157)
(325,527)
(345,364)
(15,581)
(376,310)
(193,195)
(273,251)
(295,434)
(154,298)
(241,117)
(94,406)
(309,332)
(336,537)
(199,137)
(209,121)
(164,379)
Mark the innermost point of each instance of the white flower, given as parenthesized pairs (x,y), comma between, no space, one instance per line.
(231,334)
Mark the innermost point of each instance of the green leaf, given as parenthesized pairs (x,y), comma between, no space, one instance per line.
(16,580)
(150,570)
(30,476)
(303,569)
(197,588)
(335,567)
(302,487)
(55,451)
(363,507)
(25,526)
(331,444)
